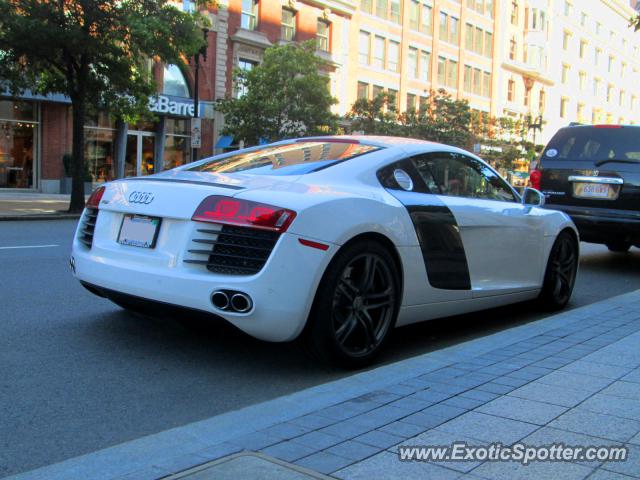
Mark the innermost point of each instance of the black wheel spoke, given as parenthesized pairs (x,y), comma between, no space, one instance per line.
(378,300)
(564,280)
(346,329)
(367,326)
(369,273)
(347,289)
(568,263)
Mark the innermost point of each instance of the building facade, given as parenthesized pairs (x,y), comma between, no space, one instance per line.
(544,62)
(564,61)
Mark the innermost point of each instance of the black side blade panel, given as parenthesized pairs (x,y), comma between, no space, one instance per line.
(442,248)
(440,241)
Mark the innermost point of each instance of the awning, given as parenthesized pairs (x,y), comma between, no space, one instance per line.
(224,142)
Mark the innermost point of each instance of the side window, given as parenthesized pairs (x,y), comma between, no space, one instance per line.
(457,175)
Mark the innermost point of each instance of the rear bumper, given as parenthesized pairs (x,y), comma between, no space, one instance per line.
(601,225)
(282,292)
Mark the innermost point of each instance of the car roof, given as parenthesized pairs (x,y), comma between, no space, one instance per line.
(374,140)
(602,125)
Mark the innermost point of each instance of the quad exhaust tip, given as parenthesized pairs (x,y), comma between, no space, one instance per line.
(241,303)
(231,301)
(220,300)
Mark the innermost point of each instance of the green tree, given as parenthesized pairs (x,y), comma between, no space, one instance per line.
(635,22)
(378,116)
(441,119)
(286,96)
(94,51)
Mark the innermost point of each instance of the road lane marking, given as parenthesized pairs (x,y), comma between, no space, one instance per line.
(28,246)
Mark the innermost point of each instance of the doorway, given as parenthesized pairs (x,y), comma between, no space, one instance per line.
(140,154)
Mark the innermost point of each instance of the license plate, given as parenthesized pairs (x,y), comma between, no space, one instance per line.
(139,231)
(594,190)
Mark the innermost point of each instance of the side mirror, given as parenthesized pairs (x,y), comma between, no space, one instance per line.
(532,197)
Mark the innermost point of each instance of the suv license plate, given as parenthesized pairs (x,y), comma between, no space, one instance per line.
(592,190)
(139,231)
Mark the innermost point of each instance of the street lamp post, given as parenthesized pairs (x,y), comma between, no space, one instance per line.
(535,125)
(196,85)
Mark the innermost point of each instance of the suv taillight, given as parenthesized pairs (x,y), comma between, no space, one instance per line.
(227,210)
(534,179)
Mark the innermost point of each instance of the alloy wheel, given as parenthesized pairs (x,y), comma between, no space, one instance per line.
(364,303)
(563,269)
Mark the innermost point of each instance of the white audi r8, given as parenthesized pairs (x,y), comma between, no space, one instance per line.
(330,240)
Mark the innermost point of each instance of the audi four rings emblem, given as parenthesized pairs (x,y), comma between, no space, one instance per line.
(144,198)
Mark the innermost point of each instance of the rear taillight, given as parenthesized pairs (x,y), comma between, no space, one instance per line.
(96,196)
(219,209)
(607,126)
(534,178)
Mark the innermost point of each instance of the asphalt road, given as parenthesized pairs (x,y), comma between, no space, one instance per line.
(79,374)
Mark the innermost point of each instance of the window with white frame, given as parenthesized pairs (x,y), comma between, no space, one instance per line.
(249,17)
(379,52)
(246,65)
(412,62)
(364,47)
(394,56)
(288,28)
(425,65)
(322,35)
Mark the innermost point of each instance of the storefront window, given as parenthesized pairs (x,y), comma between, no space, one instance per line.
(18,143)
(99,154)
(99,147)
(177,146)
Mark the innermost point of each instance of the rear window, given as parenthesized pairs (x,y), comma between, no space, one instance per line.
(594,144)
(291,159)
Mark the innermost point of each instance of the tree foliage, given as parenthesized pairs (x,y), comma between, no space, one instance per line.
(446,120)
(378,116)
(441,119)
(286,96)
(97,52)
(635,22)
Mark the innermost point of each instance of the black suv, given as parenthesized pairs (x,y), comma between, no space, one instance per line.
(593,174)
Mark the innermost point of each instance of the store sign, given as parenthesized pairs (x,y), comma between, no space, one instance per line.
(171,106)
(196,133)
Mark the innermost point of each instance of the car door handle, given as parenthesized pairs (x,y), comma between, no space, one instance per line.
(587,179)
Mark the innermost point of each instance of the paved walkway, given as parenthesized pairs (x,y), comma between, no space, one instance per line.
(31,205)
(572,378)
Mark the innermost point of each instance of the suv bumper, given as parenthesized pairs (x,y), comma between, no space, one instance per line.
(602,225)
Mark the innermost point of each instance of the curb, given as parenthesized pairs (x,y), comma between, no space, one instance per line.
(40,216)
(196,442)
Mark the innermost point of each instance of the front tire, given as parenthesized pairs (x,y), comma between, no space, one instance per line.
(355,307)
(560,275)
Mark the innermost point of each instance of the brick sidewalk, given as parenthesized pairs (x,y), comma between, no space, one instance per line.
(579,385)
(571,378)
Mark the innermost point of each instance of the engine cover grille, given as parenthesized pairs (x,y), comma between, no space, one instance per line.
(234,250)
(85,235)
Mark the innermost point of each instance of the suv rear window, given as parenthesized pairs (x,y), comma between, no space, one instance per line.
(291,159)
(594,144)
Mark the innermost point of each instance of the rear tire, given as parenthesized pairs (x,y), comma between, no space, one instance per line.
(619,247)
(560,275)
(355,307)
